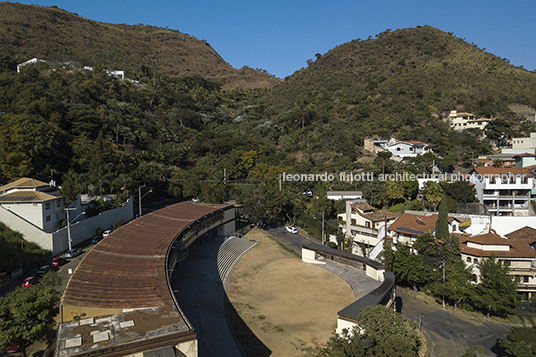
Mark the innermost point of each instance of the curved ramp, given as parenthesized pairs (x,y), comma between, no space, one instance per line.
(199,286)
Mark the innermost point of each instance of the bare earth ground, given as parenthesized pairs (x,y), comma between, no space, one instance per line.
(287,304)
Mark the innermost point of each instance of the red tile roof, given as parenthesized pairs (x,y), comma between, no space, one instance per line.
(527,234)
(412,224)
(517,248)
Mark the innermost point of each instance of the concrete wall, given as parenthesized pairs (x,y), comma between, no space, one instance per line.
(87,228)
(80,231)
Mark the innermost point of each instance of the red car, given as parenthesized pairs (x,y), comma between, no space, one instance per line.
(30,281)
(12,349)
(58,261)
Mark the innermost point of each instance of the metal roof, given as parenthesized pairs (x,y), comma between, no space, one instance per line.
(127,268)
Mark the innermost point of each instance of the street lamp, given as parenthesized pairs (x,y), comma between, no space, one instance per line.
(140,196)
(69,225)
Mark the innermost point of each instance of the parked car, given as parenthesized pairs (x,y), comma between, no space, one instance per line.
(96,239)
(58,261)
(106,233)
(28,282)
(13,349)
(195,200)
(308,193)
(292,230)
(73,253)
(45,269)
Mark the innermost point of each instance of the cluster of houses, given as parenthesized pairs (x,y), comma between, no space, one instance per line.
(506,225)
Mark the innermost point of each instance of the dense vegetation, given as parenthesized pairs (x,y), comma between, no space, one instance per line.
(187,136)
(400,84)
(27,314)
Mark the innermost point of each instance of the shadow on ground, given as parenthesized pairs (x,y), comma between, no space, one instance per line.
(248,341)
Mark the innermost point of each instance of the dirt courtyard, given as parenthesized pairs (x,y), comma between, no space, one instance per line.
(280,306)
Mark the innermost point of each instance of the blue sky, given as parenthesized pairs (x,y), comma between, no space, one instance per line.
(280,36)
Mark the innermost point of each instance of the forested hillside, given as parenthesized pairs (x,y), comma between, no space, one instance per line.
(399,83)
(50,33)
(185,135)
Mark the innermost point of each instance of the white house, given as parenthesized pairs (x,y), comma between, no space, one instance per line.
(408,227)
(515,252)
(362,223)
(344,195)
(35,209)
(504,191)
(462,121)
(524,143)
(404,149)
(35,201)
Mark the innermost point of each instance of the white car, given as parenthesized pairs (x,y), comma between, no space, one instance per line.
(106,233)
(292,230)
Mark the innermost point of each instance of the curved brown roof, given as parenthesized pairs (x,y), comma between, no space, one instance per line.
(126,270)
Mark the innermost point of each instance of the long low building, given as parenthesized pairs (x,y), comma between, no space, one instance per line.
(119,301)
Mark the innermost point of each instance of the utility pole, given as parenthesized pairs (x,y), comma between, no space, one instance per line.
(385,244)
(69,240)
(322,213)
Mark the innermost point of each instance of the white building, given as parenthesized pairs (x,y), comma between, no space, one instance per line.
(344,195)
(362,224)
(463,121)
(408,227)
(35,201)
(525,143)
(35,209)
(504,191)
(516,252)
(404,149)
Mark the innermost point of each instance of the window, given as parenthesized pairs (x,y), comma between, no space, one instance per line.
(353,221)
(48,218)
(525,279)
(47,205)
(507,263)
(340,218)
(475,260)
(58,203)
(468,259)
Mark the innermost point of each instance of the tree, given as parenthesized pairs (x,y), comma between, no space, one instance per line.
(442,222)
(433,193)
(27,314)
(520,341)
(407,266)
(496,293)
(499,129)
(381,332)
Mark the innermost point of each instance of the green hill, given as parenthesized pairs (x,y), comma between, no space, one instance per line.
(397,83)
(53,34)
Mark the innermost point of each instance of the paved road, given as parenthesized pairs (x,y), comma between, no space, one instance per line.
(201,295)
(293,241)
(450,333)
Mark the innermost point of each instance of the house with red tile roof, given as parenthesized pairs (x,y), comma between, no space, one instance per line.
(364,224)
(408,227)
(515,252)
